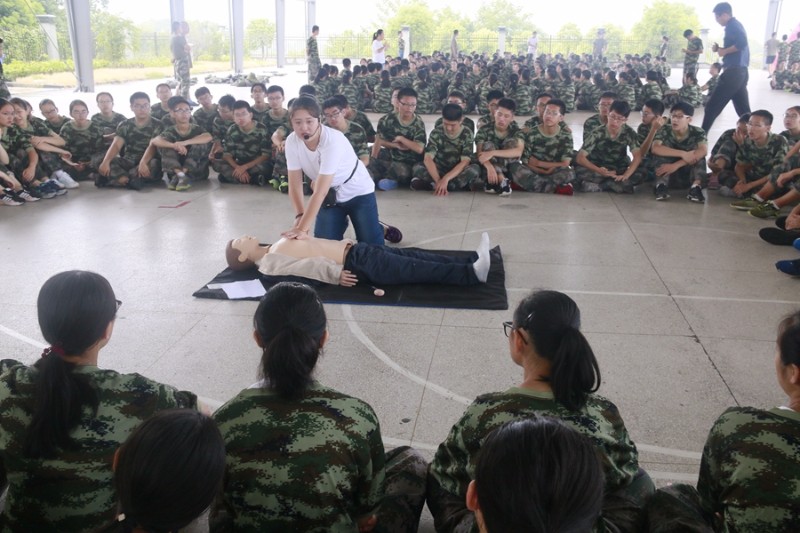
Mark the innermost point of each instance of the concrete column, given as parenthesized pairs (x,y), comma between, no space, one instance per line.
(236,11)
(703,58)
(80,36)
(48,24)
(280,32)
(407,39)
(501,39)
(175,12)
(311,14)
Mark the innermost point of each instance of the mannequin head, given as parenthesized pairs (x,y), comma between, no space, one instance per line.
(243,253)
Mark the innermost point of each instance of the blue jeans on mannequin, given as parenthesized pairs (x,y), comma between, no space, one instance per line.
(362,210)
(394,266)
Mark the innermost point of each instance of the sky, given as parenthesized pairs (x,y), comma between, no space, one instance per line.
(332,17)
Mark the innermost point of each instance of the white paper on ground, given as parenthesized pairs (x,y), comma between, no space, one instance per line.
(241,289)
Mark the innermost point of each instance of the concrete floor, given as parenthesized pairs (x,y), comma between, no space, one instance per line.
(680,301)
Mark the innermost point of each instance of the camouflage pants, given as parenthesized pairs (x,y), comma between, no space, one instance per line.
(49,162)
(195,163)
(501,164)
(591,182)
(279,169)
(690,68)
(684,177)
(121,167)
(728,180)
(181,68)
(19,162)
(313,68)
(677,508)
(467,180)
(791,164)
(529,180)
(727,154)
(395,170)
(259,174)
(406,472)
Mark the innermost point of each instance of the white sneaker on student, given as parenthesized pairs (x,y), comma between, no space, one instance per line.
(65,179)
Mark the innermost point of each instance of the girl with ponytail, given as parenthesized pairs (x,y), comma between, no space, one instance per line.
(560,379)
(63,417)
(302,456)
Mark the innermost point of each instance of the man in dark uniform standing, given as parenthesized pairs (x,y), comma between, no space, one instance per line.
(735,54)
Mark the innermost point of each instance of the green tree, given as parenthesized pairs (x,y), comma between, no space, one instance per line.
(666,18)
(419,18)
(113,36)
(259,35)
(496,13)
(13,12)
(209,40)
(618,42)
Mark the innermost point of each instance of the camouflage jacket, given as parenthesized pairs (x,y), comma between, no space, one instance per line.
(82,143)
(695,137)
(55,127)
(108,125)
(389,127)
(38,127)
(156,111)
(762,158)
(205,118)
(172,134)
(465,121)
(447,151)
(553,149)
(523,97)
(382,100)
(362,120)
(358,138)
(15,140)
(610,153)
(692,95)
(695,45)
(246,146)
(590,124)
(488,133)
(136,138)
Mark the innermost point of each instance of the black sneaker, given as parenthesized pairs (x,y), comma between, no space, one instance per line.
(418,184)
(505,188)
(136,183)
(662,192)
(696,195)
(779,237)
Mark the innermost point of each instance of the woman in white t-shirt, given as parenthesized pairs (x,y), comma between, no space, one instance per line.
(327,158)
(378,48)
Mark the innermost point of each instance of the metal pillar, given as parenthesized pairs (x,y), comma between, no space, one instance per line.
(280,33)
(407,39)
(48,24)
(236,12)
(176,12)
(702,59)
(501,39)
(311,14)
(80,36)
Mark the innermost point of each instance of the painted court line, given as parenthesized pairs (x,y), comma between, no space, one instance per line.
(23,338)
(674,296)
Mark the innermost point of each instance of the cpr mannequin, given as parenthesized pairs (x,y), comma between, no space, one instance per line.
(347,262)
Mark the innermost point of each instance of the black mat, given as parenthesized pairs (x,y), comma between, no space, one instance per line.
(490,295)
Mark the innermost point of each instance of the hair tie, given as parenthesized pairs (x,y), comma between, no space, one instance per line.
(55,349)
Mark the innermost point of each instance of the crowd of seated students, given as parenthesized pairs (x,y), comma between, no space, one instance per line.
(84,448)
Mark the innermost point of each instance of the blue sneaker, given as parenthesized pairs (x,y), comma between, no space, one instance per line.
(387,185)
(797,243)
(789,266)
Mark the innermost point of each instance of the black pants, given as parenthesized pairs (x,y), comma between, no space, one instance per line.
(732,85)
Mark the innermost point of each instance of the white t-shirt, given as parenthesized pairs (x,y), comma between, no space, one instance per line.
(378,56)
(533,44)
(335,156)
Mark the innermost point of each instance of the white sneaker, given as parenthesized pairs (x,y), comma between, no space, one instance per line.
(7,200)
(65,179)
(57,184)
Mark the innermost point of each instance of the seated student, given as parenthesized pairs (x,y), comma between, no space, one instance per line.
(585,97)
(498,145)
(599,119)
(536,475)
(247,149)
(260,107)
(750,468)
(427,95)
(784,182)
(160,110)
(205,114)
(492,99)
(333,111)
(348,89)
(447,164)
(758,155)
(458,98)
(275,118)
(107,118)
(302,456)
(402,134)
(625,90)
(689,93)
(560,379)
(48,144)
(680,155)
(603,163)
(219,127)
(183,147)
(83,139)
(168,472)
(382,96)
(651,89)
(723,154)
(522,95)
(53,120)
(711,84)
(359,117)
(546,160)
(64,417)
(791,121)
(781,78)
(130,160)
(346,263)
(565,89)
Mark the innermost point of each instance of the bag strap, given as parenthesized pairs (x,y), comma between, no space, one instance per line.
(353,173)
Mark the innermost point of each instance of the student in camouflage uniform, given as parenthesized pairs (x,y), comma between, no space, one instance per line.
(794,50)
(498,145)
(312,54)
(130,160)
(603,163)
(302,456)
(625,90)
(403,135)
(750,469)
(723,153)
(219,127)
(652,121)
(348,89)
(359,117)
(49,145)
(64,418)
(49,111)
(600,119)
(180,59)
(205,114)
(694,48)
(650,90)
(184,147)
(160,110)
(521,94)
(447,164)
(544,324)
(689,92)
(382,95)
(545,165)
(247,149)
(333,111)
(260,107)
(107,118)
(492,98)
(680,155)
(458,98)
(84,141)
(758,155)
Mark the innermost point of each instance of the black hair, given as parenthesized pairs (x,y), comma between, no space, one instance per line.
(201,91)
(452,112)
(552,320)
(562,107)
(507,103)
(227,101)
(346,62)
(307,90)
(139,95)
(455,93)
(314,28)
(538,475)
(175,101)
(168,471)
(685,107)
(275,89)
(406,91)
(494,94)
(306,103)
(291,323)
(655,105)
(386,80)
(651,75)
(242,104)
(75,309)
(763,113)
(687,33)
(333,101)
(722,7)
(346,77)
(75,103)
(744,118)
(609,94)
(620,107)
(789,339)
(258,84)
(375,35)
(163,85)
